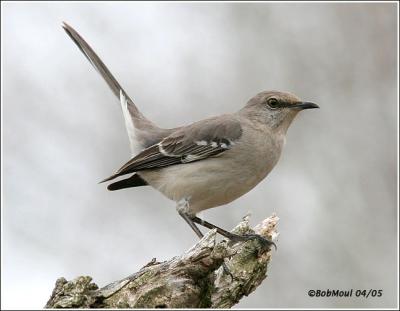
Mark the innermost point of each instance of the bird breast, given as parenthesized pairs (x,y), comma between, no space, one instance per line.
(218,180)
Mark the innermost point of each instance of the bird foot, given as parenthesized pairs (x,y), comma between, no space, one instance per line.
(246,237)
(227,271)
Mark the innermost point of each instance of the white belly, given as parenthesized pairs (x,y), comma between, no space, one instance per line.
(216,181)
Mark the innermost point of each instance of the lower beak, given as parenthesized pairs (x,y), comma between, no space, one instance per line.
(304,105)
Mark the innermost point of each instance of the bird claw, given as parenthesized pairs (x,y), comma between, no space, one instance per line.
(227,271)
(246,237)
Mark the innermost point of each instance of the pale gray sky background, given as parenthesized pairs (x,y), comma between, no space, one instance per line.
(334,187)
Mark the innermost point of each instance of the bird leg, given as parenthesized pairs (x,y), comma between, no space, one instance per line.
(232,236)
(192,225)
(183,210)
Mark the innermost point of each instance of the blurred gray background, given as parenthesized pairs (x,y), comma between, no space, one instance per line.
(334,187)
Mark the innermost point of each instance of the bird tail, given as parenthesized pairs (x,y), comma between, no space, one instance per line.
(134,181)
(137,125)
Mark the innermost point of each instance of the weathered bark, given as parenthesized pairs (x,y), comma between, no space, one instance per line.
(194,279)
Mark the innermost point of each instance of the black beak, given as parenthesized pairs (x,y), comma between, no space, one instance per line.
(304,105)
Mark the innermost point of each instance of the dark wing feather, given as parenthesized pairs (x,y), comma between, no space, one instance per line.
(134,181)
(195,142)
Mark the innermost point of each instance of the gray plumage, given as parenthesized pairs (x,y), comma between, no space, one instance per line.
(210,162)
(191,143)
(144,133)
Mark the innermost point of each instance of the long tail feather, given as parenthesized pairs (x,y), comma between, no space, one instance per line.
(97,63)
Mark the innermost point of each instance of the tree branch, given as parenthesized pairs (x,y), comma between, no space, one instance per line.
(196,279)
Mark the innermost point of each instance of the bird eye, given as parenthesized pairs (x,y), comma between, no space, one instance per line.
(273,102)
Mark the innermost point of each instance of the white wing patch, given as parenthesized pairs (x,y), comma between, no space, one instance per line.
(201,143)
(165,153)
(227,144)
(191,158)
(162,151)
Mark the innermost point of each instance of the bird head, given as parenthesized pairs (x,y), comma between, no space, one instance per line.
(276,109)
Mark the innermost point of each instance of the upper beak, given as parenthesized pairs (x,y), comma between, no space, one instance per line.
(304,105)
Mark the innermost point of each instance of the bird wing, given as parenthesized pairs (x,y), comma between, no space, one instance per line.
(198,141)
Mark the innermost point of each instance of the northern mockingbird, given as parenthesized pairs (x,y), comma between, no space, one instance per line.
(208,163)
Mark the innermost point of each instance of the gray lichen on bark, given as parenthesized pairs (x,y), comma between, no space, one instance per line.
(195,279)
